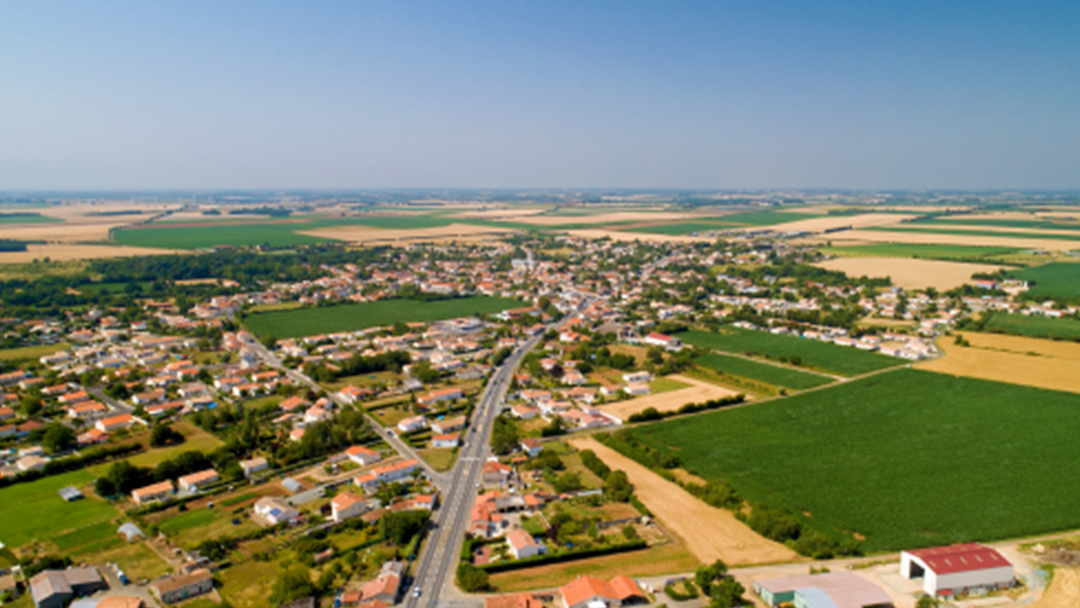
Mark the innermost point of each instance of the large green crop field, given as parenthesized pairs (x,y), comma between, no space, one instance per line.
(27,218)
(1034,234)
(351,317)
(929,252)
(280,233)
(764,372)
(842,360)
(684,228)
(727,222)
(1059,280)
(906,458)
(1037,224)
(1034,327)
(34,511)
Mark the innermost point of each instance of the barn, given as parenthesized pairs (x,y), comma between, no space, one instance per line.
(946,571)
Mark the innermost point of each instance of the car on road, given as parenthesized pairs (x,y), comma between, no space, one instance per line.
(416,592)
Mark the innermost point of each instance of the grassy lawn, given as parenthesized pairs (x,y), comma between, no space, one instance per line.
(930,252)
(259,402)
(196,439)
(1059,280)
(572,460)
(670,558)
(390,416)
(666,385)
(907,458)
(33,511)
(440,459)
(190,528)
(387,378)
(1034,326)
(764,372)
(351,317)
(137,560)
(77,538)
(248,584)
(273,307)
(843,360)
(31,352)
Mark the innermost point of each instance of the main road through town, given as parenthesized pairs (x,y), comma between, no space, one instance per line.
(442,552)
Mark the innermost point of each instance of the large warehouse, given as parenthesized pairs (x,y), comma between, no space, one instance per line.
(946,571)
(829,590)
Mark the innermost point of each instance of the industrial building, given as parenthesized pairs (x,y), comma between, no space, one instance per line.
(947,571)
(828,590)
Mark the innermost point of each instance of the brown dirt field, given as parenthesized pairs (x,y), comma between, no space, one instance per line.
(365,234)
(644,237)
(1007,230)
(819,224)
(606,218)
(1064,591)
(708,532)
(869,236)
(672,400)
(63,253)
(77,225)
(1041,371)
(497,214)
(910,273)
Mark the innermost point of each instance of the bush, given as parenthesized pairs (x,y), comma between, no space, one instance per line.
(472,579)
(773,523)
(626,444)
(165,435)
(594,464)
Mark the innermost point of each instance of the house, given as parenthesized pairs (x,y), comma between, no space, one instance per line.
(839,589)
(161,409)
(87,409)
(384,588)
(113,423)
(148,397)
(274,510)
(396,471)
(296,434)
(663,341)
(363,456)
(91,437)
(531,447)
(450,440)
(446,394)
(496,473)
(589,592)
(6,412)
(523,545)
(524,412)
(254,465)
(957,568)
(413,424)
(641,376)
(55,588)
(637,388)
(153,493)
(31,463)
(196,481)
(628,591)
(346,505)
(292,403)
(352,394)
(442,427)
(177,588)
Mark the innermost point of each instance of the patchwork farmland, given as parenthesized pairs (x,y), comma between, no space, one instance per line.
(899,458)
(772,374)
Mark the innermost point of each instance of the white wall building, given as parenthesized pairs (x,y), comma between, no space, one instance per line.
(957,568)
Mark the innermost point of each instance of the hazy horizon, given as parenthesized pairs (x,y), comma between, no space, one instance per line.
(840,96)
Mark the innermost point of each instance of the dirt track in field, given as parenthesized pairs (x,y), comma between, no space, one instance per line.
(1015,367)
(1064,591)
(709,533)
(697,392)
(910,273)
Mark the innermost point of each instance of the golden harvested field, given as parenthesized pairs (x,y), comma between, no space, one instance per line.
(1064,591)
(872,236)
(1015,367)
(708,532)
(910,273)
(63,253)
(498,214)
(368,235)
(606,218)
(672,400)
(819,224)
(1055,349)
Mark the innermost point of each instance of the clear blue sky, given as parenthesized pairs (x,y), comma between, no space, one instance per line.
(257,94)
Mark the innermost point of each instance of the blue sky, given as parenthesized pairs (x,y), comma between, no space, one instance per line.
(139,95)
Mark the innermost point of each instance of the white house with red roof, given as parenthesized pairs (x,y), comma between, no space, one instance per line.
(663,341)
(947,571)
(363,456)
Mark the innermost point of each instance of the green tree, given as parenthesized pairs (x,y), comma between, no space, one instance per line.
(472,579)
(927,602)
(504,436)
(291,585)
(617,487)
(165,435)
(567,482)
(57,438)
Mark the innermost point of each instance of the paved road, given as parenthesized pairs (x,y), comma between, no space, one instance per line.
(442,552)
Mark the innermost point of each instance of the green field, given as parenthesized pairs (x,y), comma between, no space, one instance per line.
(843,360)
(1037,224)
(34,511)
(763,372)
(351,317)
(1034,326)
(684,228)
(84,536)
(929,252)
(956,232)
(907,458)
(1058,280)
(281,233)
(27,218)
(31,352)
(727,222)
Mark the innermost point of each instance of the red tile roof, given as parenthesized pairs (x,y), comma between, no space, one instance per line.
(960,558)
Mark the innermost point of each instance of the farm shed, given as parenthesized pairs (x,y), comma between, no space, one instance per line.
(829,590)
(957,568)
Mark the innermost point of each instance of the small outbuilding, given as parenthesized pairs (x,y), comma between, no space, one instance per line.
(954,569)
